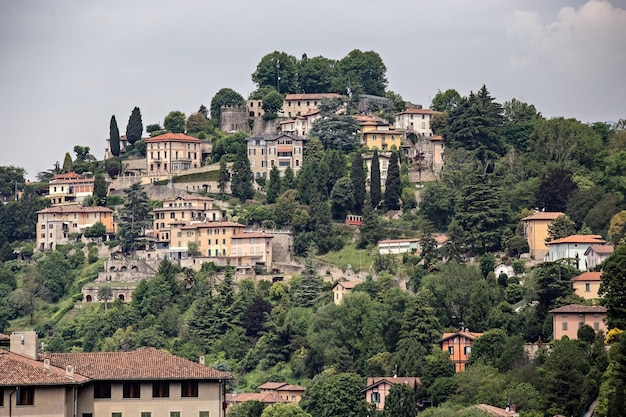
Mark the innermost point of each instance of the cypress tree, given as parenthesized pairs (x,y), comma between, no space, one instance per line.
(370,229)
(67,162)
(223,176)
(241,184)
(357,175)
(134,129)
(392,183)
(100,190)
(288,181)
(114,137)
(273,187)
(375,192)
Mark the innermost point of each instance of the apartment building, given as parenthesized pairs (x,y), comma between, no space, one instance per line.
(282,151)
(416,121)
(172,153)
(69,188)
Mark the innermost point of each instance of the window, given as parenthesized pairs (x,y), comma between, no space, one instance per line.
(587,287)
(203,414)
(174,413)
(596,325)
(87,414)
(131,390)
(116,414)
(564,326)
(102,389)
(451,350)
(189,389)
(146,414)
(25,396)
(375,397)
(467,350)
(160,389)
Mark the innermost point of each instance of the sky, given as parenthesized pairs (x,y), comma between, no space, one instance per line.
(66,66)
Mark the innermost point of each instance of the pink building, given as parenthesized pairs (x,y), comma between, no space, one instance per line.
(567,319)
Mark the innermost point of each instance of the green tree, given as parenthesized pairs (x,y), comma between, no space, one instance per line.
(96,231)
(224,97)
(400,402)
(316,75)
(288,181)
(305,293)
(370,229)
(223,176)
(175,122)
(335,130)
(272,104)
(342,198)
(241,181)
(555,189)
(495,348)
(333,395)
(437,204)
(361,73)
(613,288)
(278,70)
(284,410)
(134,128)
(446,101)
(105,293)
(197,122)
(519,123)
(561,227)
(135,218)
(375,188)
(67,161)
(100,190)
(114,137)
(392,183)
(250,408)
(273,186)
(357,175)
(617,228)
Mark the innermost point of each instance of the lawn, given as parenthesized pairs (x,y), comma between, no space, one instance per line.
(358,259)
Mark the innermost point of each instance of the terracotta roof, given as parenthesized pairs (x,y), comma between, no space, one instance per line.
(411,381)
(577,308)
(67,176)
(436,138)
(173,137)
(601,249)
(264,397)
(544,215)
(291,387)
(4,336)
(315,96)
(145,363)
(77,208)
(347,284)
(469,335)
(382,132)
(201,225)
(441,239)
(272,385)
(20,370)
(588,276)
(578,239)
(495,411)
(245,235)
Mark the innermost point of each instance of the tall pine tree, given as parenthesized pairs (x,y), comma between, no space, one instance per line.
(375,191)
(134,128)
(241,184)
(114,137)
(223,176)
(288,181)
(357,175)
(392,183)
(273,186)
(370,229)
(67,162)
(100,190)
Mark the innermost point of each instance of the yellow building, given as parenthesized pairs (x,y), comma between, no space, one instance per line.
(536,231)
(341,289)
(172,153)
(587,284)
(56,224)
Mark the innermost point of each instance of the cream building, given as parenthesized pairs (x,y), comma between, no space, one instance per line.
(282,151)
(172,153)
(56,225)
(300,104)
(416,121)
(69,188)
(342,289)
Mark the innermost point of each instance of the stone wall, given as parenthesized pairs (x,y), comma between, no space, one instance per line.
(234,118)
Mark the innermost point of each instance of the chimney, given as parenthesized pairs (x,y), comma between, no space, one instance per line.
(201,360)
(25,344)
(46,364)
(69,371)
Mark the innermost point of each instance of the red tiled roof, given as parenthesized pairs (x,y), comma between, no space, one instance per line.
(588,276)
(469,335)
(265,397)
(544,215)
(601,249)
(290,387)
(315,96)
(272,385)
(577,308)
(20,370)
(173,137)
(67,176)
(347,284)
(142,364)
(436,138)
(411,381)
(578,239)
(75,209)
(381,132)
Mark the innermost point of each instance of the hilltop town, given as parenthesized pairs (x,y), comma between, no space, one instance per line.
(323,247)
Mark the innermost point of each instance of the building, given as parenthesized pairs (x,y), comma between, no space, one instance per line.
(381,137)
(383,165)
(236,398)
(378,388)
(300,125)
(341,289)
(172,153)
(596,254)
(536,231)
(397,246)
(573,249)
(416,121)
(282,151)
(145,382)
(287,393)
(180,211)
(459,346)
(567,319)
(225,243)
(587,284)
(58,225)
(70,188)
(300,104)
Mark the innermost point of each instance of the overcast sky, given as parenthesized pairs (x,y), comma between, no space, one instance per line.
(67,66)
